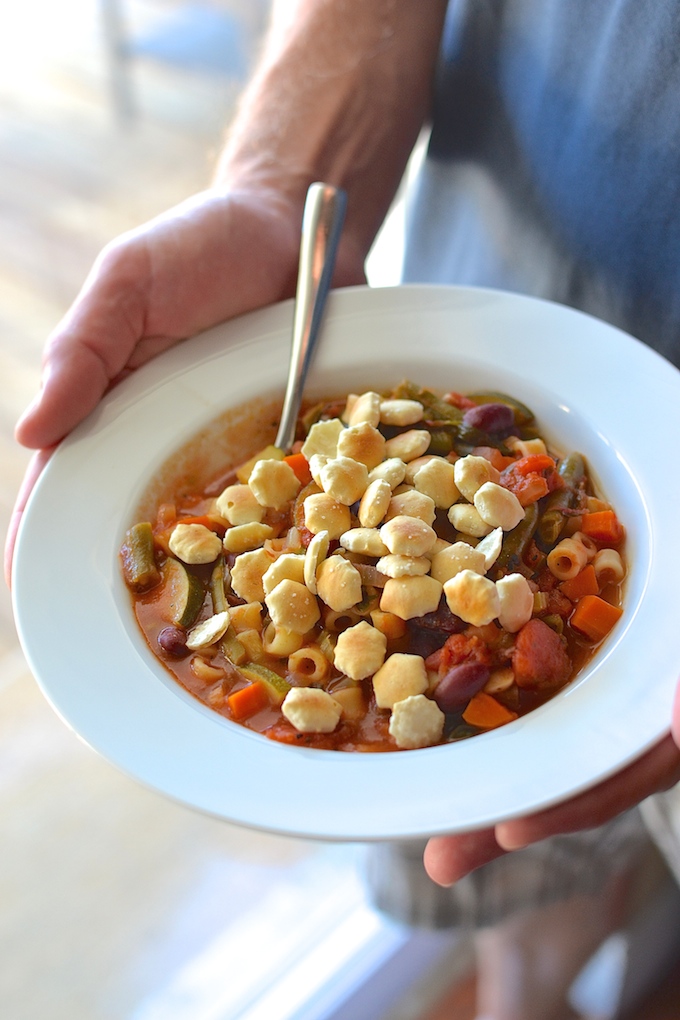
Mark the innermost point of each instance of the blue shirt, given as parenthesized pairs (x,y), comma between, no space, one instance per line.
(553,167)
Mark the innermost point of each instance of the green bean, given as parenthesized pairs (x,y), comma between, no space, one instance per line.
(469,437)
(436,409)
(572,471)
(441,441)
(217,592)
(515,542)
(139,560)
(461,438)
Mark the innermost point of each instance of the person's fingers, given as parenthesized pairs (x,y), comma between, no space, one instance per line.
(35,467)
(87,350)
(676,716)
(658,769)
(448,858)
(74,380)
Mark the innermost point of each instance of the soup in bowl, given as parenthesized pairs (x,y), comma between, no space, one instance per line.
(418,569)
(169,437)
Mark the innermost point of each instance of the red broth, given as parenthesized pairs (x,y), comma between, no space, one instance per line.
(450,572)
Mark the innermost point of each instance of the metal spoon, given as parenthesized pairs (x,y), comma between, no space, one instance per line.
(321,227)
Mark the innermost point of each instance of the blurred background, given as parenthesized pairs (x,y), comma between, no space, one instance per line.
(116,904)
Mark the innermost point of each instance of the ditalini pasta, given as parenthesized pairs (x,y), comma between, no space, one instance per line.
(416,570)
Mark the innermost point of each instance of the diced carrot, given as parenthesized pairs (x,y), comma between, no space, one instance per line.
(300,466)
(484,711)
(248,700)
(603,527)
(585,583)
(594,617)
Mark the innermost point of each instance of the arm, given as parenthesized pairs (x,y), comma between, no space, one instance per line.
(341,92)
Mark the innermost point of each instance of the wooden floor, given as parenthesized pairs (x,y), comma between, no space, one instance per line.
(104,886)
(72,177)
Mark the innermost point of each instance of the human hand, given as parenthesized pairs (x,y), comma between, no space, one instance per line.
(676,717)
(449,858)
(218,255)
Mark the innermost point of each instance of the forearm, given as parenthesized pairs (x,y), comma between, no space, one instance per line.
(340,95)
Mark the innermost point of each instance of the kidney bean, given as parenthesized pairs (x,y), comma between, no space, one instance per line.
(425,642)
(429,632)
(490,417)
(173,641)
(441,619)
(459,684)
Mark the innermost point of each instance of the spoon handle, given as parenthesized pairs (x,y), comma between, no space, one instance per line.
(321,227)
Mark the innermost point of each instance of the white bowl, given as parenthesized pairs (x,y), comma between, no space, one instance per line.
(592,388)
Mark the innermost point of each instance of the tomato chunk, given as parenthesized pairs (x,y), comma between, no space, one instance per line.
(462,648)
(531,477)
(539,658)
